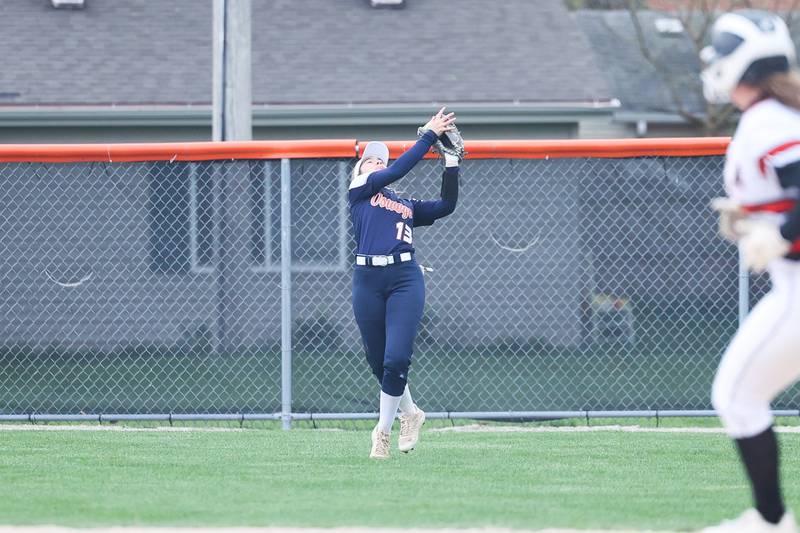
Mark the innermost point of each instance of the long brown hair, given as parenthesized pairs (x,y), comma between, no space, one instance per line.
(783,87)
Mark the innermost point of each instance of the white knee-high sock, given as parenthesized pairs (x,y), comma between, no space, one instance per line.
(388,411)
(407,406)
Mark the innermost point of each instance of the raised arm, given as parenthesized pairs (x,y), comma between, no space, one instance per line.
(369,183)
(366,185)
(427,212)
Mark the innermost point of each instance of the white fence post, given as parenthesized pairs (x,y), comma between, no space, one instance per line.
(286,294)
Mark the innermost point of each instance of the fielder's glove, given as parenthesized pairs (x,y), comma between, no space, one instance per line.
(729,213)
(449,145)
(760,243)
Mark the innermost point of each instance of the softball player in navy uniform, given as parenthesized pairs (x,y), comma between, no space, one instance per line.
(750,63)
(388,289)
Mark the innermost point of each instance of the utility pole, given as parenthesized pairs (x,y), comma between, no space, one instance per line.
(232,102)
(232,79)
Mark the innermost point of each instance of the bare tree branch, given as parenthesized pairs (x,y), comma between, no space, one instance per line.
(675,94)
(719,119)
(686,16)
(697,17)
(699,39)
(790,13)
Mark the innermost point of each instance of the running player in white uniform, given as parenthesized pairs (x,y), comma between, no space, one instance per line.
(750,64)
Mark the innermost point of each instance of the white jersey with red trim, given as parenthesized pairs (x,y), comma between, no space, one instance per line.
(762,361)
(768,137)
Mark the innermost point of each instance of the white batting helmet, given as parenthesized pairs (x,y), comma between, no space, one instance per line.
(746,47)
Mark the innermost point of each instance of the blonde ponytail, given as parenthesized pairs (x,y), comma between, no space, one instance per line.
(783,87)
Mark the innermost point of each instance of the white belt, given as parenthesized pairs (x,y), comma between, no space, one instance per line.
(383,260)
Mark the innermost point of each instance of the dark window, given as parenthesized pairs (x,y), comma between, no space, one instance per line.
(265,212)
(180,217)
(316,205)
(317,210)
(168,214)
(201,223)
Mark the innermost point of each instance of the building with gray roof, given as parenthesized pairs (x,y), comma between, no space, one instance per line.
(141,70)
(656,95)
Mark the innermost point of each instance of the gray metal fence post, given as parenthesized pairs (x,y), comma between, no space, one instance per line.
(744,290)
(286,295)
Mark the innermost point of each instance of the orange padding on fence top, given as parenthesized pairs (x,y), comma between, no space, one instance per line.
(697,146)
(188,151)
(569,148)
(350,148)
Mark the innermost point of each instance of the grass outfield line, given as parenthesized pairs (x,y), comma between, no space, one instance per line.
(784,424)
(467,428)
(107,427)
(589,429)
(610,480)
(56,529)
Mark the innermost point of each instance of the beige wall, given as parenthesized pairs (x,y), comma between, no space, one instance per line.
(607,129)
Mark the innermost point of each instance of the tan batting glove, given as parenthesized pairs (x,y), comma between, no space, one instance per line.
(730,212)
(760,244)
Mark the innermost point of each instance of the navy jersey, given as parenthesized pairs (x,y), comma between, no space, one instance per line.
(382,221)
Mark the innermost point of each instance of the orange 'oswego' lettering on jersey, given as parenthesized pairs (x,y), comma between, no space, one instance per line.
(379,200)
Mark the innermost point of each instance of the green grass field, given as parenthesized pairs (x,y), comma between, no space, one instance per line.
(306,477)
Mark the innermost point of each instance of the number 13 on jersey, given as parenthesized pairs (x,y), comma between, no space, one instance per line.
(403,232)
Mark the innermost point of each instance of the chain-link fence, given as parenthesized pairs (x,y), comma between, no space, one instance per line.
(557,285)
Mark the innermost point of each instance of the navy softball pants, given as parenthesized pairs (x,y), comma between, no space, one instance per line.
(388,303)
